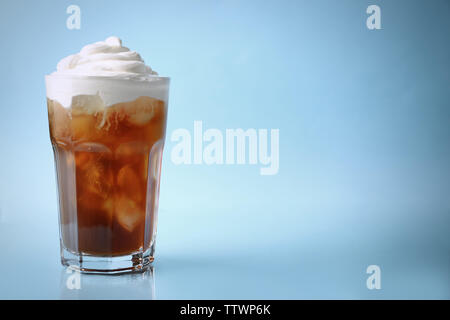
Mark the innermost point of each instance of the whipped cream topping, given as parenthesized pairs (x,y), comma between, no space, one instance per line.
(105,58)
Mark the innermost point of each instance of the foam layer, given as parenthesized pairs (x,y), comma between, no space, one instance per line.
(108,70)
(106,59)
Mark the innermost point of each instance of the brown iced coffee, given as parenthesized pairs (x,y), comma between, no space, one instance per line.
(108,153)
(107,131)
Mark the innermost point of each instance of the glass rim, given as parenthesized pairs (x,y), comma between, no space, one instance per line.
(108,78)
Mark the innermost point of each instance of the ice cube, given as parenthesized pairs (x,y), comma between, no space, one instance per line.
(129,183)
(108,207)
(142,110)
(83,127)
(127,213)
(139,111)
(87,104)
(96,178)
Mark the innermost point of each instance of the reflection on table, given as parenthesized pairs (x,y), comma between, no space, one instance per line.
(76,285)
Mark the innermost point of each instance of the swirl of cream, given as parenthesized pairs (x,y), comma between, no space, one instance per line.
(107,59)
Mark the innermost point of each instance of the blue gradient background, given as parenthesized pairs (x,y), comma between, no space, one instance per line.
(364,119)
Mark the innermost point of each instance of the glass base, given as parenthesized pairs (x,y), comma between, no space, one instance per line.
(135,262)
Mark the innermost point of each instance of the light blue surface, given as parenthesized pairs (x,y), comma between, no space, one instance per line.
(364,147)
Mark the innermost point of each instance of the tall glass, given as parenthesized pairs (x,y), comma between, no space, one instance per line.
(107,137)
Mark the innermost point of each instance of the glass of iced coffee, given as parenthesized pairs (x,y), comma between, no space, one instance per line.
(107,114)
